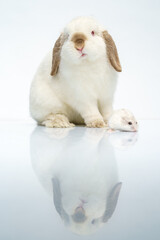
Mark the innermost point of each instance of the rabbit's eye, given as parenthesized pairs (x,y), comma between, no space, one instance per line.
(92,33)
(130,123)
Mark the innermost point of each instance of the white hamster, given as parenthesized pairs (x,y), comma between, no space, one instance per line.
(123,120)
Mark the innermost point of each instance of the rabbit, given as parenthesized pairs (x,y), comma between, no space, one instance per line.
(75,83)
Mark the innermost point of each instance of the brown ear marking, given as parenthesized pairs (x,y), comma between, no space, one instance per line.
(56,55)
(112,51)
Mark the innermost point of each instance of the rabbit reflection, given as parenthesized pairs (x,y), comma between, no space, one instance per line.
(78,167)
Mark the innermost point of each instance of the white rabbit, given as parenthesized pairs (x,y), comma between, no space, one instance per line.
(76,83)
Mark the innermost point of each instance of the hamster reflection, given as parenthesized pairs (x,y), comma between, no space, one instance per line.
(123,140)
(78,167)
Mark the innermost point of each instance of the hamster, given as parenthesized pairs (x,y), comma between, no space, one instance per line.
(123,120)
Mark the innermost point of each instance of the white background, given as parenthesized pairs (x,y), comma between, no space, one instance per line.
(28,30)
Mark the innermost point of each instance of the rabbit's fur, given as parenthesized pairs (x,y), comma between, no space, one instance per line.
(76,82)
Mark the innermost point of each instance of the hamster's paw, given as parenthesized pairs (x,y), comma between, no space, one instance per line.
(96,124)
(57,121)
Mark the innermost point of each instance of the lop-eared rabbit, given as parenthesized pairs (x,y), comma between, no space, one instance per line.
(75,83)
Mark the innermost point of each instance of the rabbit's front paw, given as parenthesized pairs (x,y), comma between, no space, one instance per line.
(98,123)
(57,121)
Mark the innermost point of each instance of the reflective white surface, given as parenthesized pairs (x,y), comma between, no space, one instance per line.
(79,182)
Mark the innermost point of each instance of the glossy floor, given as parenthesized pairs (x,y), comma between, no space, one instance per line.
(79,183)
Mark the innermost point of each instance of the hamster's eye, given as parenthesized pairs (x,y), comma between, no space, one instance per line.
(136,122)
(130,123)
(92,33)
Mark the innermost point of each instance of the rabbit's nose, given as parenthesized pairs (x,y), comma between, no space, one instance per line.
(79,41)
(79,49)
(79,215)
(79,44)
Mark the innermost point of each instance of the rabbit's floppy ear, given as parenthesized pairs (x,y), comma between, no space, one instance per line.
(112,51)
(112,202)
(57,198)
(56,54)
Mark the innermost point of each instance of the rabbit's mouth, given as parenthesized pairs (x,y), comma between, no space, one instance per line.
(81,52)
(83,55)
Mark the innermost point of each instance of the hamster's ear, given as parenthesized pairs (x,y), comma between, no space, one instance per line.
(112,202)
(56,54)
(112,51)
